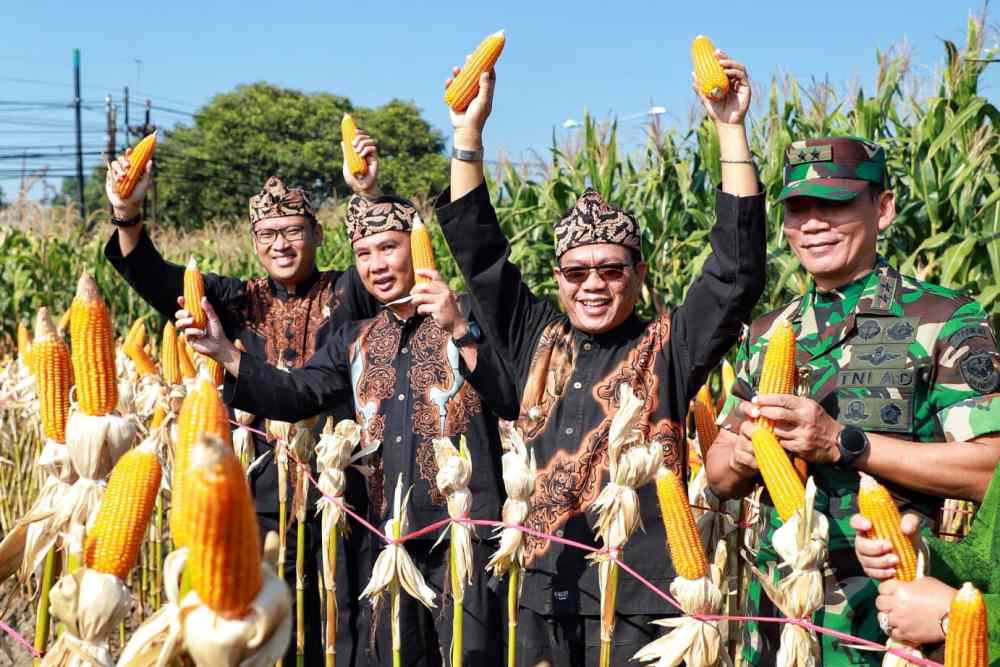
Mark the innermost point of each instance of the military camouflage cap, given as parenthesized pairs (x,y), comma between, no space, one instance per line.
(275,201)
(835,168)
(386,213)
(593,220)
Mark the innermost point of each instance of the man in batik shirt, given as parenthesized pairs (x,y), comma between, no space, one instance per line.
(568,369)
(281,318)
(413,371)
(897,378)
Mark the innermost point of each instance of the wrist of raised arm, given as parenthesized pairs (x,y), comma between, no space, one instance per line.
(468,139)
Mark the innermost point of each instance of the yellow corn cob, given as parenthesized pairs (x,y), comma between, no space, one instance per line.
(966,642)
(64,320)
(93,350)
(783,483)
(138,160)
(24,344)
(778,375)
(224,558)
(348,130)
(159,414)
(704,420)
(143,362)
(877,506)
(708,73)
(170,363)
(194,290)
(728,379)
(202,412)
(211,368)
(184,357)
(421,251)
(113,543)
(686,549)
(465,86)
(53,375)
(136,335)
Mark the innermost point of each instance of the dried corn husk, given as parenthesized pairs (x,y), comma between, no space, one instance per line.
(334,453)
(243,438)
(632,462)
(257,639)
(801,543)
(394,565)
(91,604)
(692,642)
(454,472)
(714,523)
(519,473)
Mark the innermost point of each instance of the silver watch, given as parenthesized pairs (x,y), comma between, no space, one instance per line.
(466,155)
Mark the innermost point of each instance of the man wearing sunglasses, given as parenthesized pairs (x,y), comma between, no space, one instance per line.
(568,368)
(281,318)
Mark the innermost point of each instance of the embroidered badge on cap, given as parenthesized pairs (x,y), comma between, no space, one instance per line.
(803,154)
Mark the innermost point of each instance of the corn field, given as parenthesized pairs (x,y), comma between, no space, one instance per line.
(943,151)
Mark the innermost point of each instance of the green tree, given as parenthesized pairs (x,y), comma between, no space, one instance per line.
(209,169)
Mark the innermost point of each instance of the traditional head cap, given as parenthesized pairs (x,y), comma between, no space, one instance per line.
(275,201)
(381,214)
(593,220)
(835,168)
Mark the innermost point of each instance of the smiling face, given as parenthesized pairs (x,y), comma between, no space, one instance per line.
(599,304)
(836,240)
(288,261)
(383,262)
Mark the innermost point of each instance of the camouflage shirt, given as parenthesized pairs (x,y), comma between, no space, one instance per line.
(889,354)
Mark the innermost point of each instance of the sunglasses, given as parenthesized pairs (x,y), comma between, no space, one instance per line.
(609,273)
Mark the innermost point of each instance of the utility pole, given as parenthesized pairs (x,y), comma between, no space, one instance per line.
(79,135)
(126,128)
(147,129)
(111,113)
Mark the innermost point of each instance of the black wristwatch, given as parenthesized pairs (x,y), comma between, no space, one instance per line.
(852,443)
(473,334)
(126,223)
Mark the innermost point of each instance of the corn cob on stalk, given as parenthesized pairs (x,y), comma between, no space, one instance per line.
(778,375)
(782,481)
(348,131)
(24,345)
(53,375)
(728,379)
(144,364)
(64,320)
(966,643)
(185,356)
(139,158)
(877,506)
(421,250)
(225,542)
(202,412)
(113,542)
(465,86)
(194,290)
(709,75)
(704,421)
(136,333)
(210,368)
(170,362)
(93,350)
(686,550)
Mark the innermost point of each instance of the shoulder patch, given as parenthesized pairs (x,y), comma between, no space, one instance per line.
(981,371)
(965,333)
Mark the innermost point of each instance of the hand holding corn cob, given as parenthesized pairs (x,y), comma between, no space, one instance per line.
(128,178)
(469,89)
(722,84)
(360,159)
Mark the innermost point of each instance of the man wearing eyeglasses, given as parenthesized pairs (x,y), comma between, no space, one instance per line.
(569,366)
(281,318)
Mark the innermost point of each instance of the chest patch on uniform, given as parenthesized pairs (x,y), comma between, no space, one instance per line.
(889,377)
(876,414)
(889,330)
(965,333)
(981,371)
(878,356)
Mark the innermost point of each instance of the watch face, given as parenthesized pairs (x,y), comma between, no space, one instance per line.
(853,440)
(474,332)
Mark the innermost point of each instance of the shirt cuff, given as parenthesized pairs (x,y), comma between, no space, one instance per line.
(233,388)
(971,418)
(448,210)
(739,207)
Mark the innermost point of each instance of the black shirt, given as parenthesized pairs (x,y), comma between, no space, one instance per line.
(568,383)
(273,324)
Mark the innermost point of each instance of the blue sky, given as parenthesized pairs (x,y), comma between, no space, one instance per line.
(561,57)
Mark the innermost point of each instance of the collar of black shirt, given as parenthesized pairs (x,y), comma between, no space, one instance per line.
(628,330)
(281,292)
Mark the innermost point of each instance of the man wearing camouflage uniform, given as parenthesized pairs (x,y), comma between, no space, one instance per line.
(898,378)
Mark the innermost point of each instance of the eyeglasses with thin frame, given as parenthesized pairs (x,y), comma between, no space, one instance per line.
(290,234)
(609,273)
